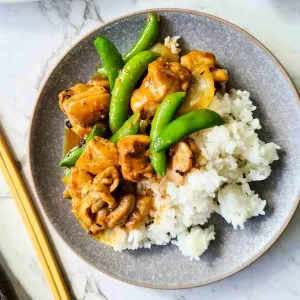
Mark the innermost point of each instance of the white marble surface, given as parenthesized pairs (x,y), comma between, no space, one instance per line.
(32,37)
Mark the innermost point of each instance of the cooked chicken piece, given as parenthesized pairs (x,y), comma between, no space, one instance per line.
(77,179)
(104,194)
(98,155)
(94,229)
(98,195)
(163,78)
(101,217)
(134,158)
(87,107)
(74,90)
(219,75)
(81,131)
(110,177)
(78,90)
(119,216)
(193,59)
(95,196)
(97,206)
(182,159)
(84,212)
(194,148)
(142,208)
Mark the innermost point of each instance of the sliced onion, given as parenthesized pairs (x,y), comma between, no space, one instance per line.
(200,92)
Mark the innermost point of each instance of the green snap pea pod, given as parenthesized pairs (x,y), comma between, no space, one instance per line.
(102,71)
(163,116)
(146,38)
(144,42)
(111,58)
(185,125)
(98,130)
(130,127)
(72,156)
(124,85)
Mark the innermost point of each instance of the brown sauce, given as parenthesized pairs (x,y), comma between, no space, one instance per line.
(71,140)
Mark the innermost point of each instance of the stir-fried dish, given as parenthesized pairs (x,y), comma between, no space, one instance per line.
(133,123)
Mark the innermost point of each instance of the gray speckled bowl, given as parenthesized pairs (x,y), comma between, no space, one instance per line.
(251,67)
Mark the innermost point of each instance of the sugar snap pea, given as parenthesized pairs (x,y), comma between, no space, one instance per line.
(163,116)
(111,58)
(130,127)
(146,38)
(72,156)
(124,85)
(185,125)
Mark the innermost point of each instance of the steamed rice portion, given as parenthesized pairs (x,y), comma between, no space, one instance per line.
(232,155)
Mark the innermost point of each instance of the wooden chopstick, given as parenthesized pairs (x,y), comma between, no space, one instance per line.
(32,222)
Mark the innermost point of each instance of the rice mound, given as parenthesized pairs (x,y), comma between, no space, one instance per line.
(232,155)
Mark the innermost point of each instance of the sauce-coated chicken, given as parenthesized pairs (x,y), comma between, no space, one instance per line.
(163,78)
(101,217)
(110,177)
(86,107)
(95,197)
(219,75)
(182,159)
(142,208)
(134,158)
(77,90)
(119,216)
(98,155)
(193,59)
(74,90)
(77,180)
(81,131)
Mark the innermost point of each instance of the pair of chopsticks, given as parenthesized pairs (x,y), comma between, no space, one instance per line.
(32,222)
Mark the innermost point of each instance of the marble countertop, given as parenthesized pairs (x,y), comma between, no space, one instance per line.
(32,38)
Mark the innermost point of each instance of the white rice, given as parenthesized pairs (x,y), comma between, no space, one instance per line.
(171,43)
(232,155)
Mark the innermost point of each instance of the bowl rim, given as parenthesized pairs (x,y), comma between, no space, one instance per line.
(39,205)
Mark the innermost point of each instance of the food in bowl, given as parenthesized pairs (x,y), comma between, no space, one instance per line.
(158,144)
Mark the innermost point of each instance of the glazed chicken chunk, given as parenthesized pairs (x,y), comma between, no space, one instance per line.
(182,159)
(119,216)
(163,78)
(194,59)
(77,90)
(86,107)
(109,177)
(134,158)
(97,198)
(142,208)
(77,180)
(74,90)
(98,155)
